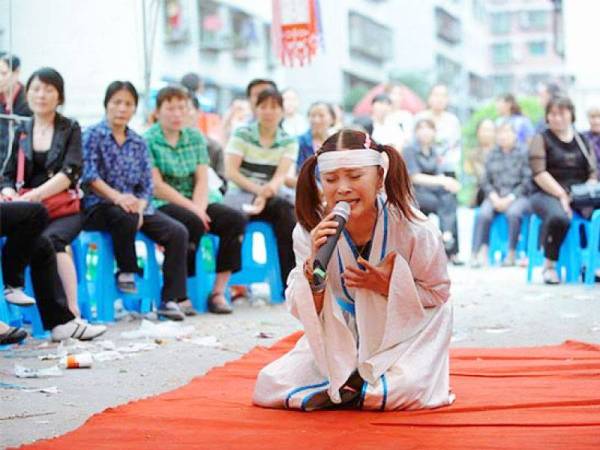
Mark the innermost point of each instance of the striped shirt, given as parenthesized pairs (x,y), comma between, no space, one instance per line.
(259,163)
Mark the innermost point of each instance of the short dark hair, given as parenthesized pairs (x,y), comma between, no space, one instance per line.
(12,61)
(270,93)
(552,87)
(515,109)
(117,86)
(191,81)
(258,81)
(170,92)
(381,98)
(49,76)
(560,102)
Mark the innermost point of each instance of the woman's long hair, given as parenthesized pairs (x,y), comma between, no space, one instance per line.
(309,206)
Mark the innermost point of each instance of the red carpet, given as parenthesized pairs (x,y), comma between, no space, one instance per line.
(516,398)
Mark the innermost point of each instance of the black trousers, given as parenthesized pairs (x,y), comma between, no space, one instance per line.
(159,227)
(439,201)
(23,224)
(226,222)
(63,230)
(555,222)
(280,213)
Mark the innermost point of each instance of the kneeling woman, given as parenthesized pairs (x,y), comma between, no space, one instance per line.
(377,335)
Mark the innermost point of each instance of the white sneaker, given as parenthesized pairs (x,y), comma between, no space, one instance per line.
(77,329)
(16,296)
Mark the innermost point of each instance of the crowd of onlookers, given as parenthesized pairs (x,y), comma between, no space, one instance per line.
(191,173)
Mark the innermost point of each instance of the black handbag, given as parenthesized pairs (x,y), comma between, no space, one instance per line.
(585,195)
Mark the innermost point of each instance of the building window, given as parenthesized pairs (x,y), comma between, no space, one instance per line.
(448,27)
(502,54)
(176,27)
(245,36)
(213,34)
(368,39)
(534,20)
(448,71)
(502,84)
(501,22)
(537,48)
(478,86)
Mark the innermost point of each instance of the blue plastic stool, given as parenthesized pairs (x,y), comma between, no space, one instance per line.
(104,287)
(499,237)
(592,261)
(258,272)
(16,315)
(200,286)
(571,251)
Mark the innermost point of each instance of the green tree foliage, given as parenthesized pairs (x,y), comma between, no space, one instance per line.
(353,96)
(418,82)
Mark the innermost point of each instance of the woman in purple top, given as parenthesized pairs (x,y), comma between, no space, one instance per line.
(118,175)
(593,135)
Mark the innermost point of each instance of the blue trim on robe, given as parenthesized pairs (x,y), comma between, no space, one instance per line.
(348,307)
(303,388)
(306,399)
(343,283)
(385,230)
(385,392)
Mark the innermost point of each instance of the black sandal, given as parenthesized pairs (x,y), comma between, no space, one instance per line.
(218,308)
(12,336)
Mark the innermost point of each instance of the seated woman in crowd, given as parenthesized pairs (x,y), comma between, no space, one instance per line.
(257,159)
(559,158)
(434,191)
(24,224)
(180,172)
(118,173)
(377,328)
(505,184)
(51,144)
(509,111)
(321,117)
(486,141)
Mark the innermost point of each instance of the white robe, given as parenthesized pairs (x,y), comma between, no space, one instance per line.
(399,345)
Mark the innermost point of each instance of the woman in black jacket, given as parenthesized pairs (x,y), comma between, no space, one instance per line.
(559,158)
(53,160)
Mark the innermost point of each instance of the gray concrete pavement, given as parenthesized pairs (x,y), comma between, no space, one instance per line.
(493,307)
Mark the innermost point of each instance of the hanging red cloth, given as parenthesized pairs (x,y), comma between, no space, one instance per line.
(296,30)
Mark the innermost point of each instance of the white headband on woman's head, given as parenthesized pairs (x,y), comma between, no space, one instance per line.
(349,159)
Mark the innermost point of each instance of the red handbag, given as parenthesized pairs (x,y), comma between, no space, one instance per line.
(63,204)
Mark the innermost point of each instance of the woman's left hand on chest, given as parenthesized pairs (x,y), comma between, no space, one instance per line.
(375,278)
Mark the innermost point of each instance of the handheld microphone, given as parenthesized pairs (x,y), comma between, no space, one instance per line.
(341,213)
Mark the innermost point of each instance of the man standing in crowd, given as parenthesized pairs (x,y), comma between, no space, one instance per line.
(12,99)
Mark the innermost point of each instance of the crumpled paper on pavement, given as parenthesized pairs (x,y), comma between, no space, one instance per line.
(28,372)
(149,329)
